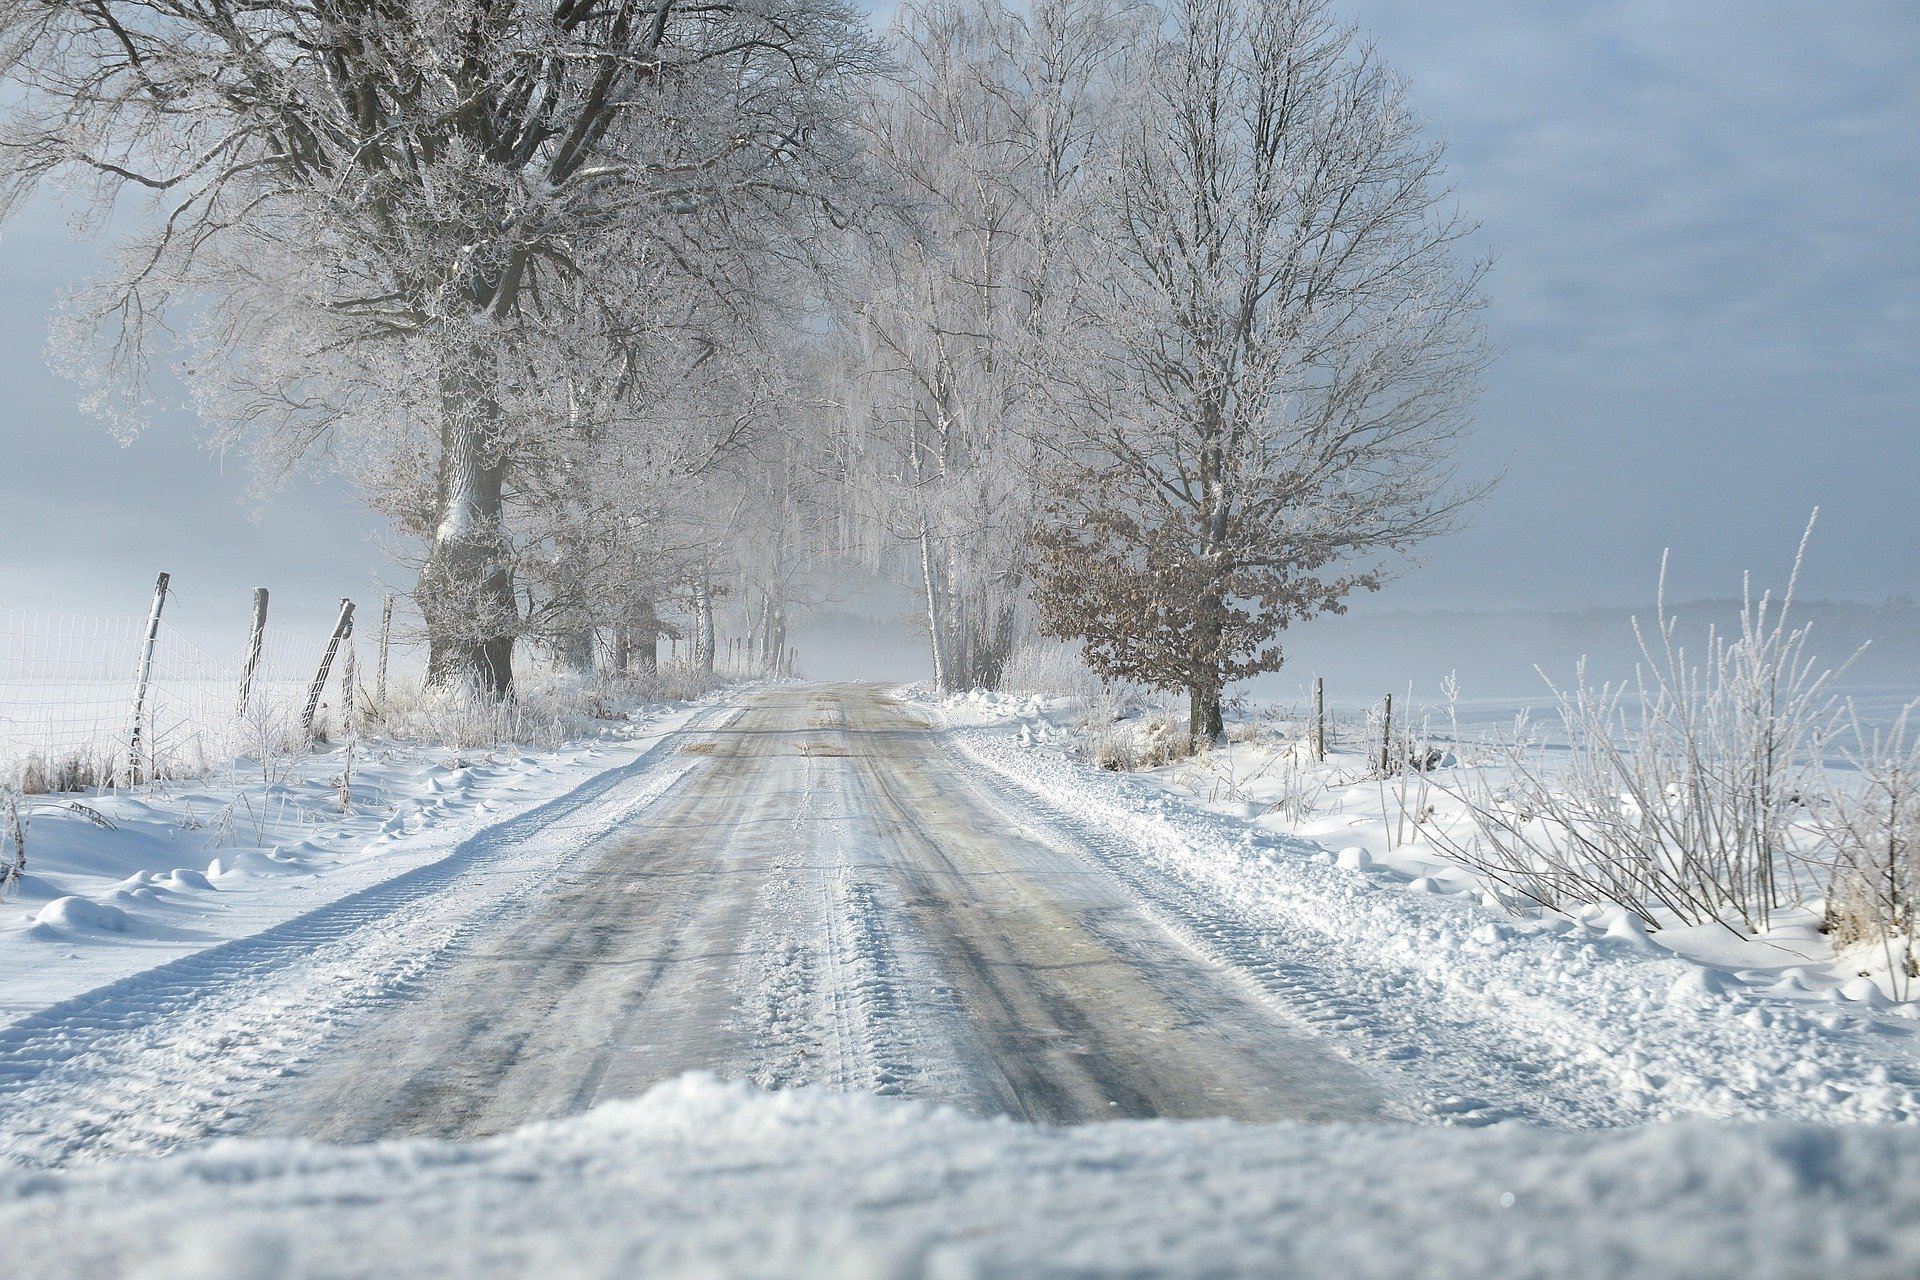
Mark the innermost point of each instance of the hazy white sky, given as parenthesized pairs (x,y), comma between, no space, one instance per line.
(1707,297)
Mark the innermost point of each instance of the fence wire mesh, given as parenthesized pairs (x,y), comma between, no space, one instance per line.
(73,714)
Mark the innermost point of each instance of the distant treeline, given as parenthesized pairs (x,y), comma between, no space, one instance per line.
(1495,653)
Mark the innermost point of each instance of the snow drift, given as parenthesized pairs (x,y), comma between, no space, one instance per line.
(699,1178)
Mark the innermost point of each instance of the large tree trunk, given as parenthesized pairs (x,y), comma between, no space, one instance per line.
(1204,722)
(1204,719)
(643,641)
(466,588)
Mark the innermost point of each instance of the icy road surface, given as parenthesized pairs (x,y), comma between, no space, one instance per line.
(828,896)
(808,886)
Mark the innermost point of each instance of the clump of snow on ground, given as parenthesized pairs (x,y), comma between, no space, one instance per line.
(1343,911)
(699,1178)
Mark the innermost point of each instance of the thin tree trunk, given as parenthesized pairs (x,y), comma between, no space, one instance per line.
(703,626)
(993,648)
(935,625)
(777,632)
(760,647)
(576,652)
(619,649)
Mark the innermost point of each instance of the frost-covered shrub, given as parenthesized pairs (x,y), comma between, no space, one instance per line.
(464,719)
(1680,794)
(41,775)
(1051,671)
(13,839)
(1163,740)
(1871,826)
(1124,745)
(548,708)
(673,682)
(1112,750)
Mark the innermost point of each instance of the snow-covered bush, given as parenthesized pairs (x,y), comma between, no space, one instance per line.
(13,839)
(549,707)
(1112,749)
(1121,745)
(1871,825)
(40,774)
(1052,671)
(1681,795)
(1407,785)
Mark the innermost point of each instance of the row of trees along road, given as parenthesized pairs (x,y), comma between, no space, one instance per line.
(1137,324)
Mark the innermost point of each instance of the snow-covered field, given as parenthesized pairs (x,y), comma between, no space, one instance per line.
(703,1179)
(189,866)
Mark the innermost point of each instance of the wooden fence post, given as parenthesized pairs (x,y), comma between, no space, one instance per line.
(1320,719)
(342,628)
(386,630)
(143,675)
(348,674)
(256,641)
(1386,732)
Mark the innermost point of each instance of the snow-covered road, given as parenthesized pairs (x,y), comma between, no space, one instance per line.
(825,898)
(811,888)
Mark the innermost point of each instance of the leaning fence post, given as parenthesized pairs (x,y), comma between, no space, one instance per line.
(1386,732)
(386,630)
(143,675)
(342,628)
(256,639)
(1320,719)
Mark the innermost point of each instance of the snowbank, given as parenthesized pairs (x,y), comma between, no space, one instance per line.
(1409,827)
(698,1178)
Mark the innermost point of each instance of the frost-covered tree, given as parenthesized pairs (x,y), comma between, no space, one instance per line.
(357,207)
(610,515)
(1268,389)
(983,128)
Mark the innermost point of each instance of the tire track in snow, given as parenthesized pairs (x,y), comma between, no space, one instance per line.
(828,1005)
(124,1069)
(1074,1003)
(1389,1022)
(1496,1019)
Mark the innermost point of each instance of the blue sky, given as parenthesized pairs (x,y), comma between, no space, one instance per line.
(1707,293)
(1707,300)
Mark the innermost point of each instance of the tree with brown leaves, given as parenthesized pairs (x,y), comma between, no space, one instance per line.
(1266,403)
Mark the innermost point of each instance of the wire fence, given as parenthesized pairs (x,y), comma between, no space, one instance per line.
(113,701)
